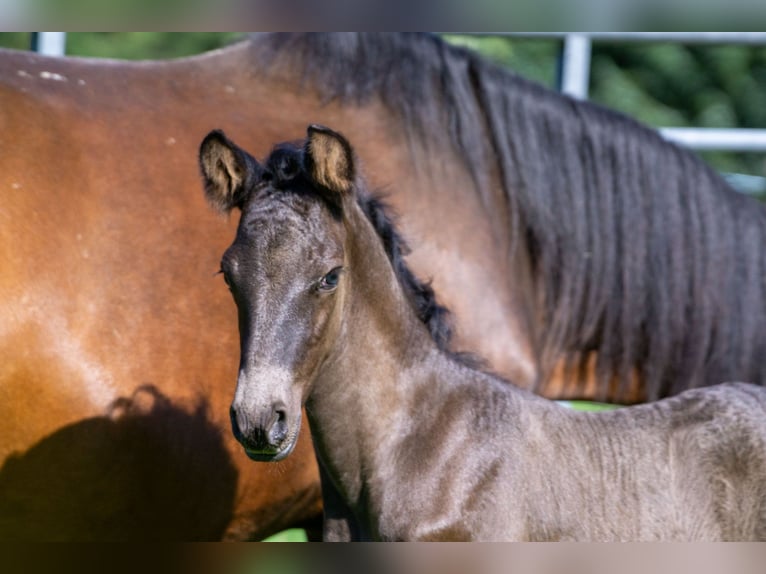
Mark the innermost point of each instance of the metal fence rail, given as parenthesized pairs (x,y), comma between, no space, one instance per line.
(735,139)
(622,37)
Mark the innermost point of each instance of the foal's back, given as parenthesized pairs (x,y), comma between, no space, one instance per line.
(692,467)
(719,456)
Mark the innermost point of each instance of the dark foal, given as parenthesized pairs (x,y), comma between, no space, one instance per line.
(413,442)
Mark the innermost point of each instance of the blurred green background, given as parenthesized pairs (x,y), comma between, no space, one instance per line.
(661,84)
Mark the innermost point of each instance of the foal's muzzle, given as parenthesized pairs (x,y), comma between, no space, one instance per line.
(266,436)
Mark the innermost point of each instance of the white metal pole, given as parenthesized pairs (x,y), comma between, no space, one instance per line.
(575,67)
(50,43)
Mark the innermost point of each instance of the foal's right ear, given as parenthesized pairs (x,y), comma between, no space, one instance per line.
(329,160)
(228,171)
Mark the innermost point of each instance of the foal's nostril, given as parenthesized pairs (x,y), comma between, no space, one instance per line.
(264,434)
(278,429)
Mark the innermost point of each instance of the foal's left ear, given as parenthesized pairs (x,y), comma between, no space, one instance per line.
(329,160)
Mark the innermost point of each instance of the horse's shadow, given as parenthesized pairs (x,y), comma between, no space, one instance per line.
(150,470)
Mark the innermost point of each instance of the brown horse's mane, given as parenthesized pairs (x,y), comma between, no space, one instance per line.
(642,253)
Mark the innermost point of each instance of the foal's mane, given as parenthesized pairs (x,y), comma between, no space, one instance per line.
(641,252)
(435,316)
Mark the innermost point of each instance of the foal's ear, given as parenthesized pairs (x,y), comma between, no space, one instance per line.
(329,160)
(228,171)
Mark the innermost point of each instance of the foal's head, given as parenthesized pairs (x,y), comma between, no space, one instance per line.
(285,271)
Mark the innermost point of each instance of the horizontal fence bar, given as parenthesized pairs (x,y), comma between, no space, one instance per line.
(735,139)
(679,37)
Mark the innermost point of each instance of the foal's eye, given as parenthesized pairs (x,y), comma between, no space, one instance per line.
(330,281)
(225,278)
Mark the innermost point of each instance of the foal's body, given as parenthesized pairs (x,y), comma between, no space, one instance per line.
(413,443)
(434,450)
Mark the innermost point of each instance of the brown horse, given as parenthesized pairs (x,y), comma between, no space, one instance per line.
(415,444)
(107,290)
(109,309)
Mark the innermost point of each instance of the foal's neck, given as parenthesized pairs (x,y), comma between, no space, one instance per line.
(381,337)
(383,357)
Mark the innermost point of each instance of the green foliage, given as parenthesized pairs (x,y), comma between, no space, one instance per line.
(680,85)
(589,406)
(292,535)
(533,59)
(15,40)
(614,88)
(132,45)
(146,45)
